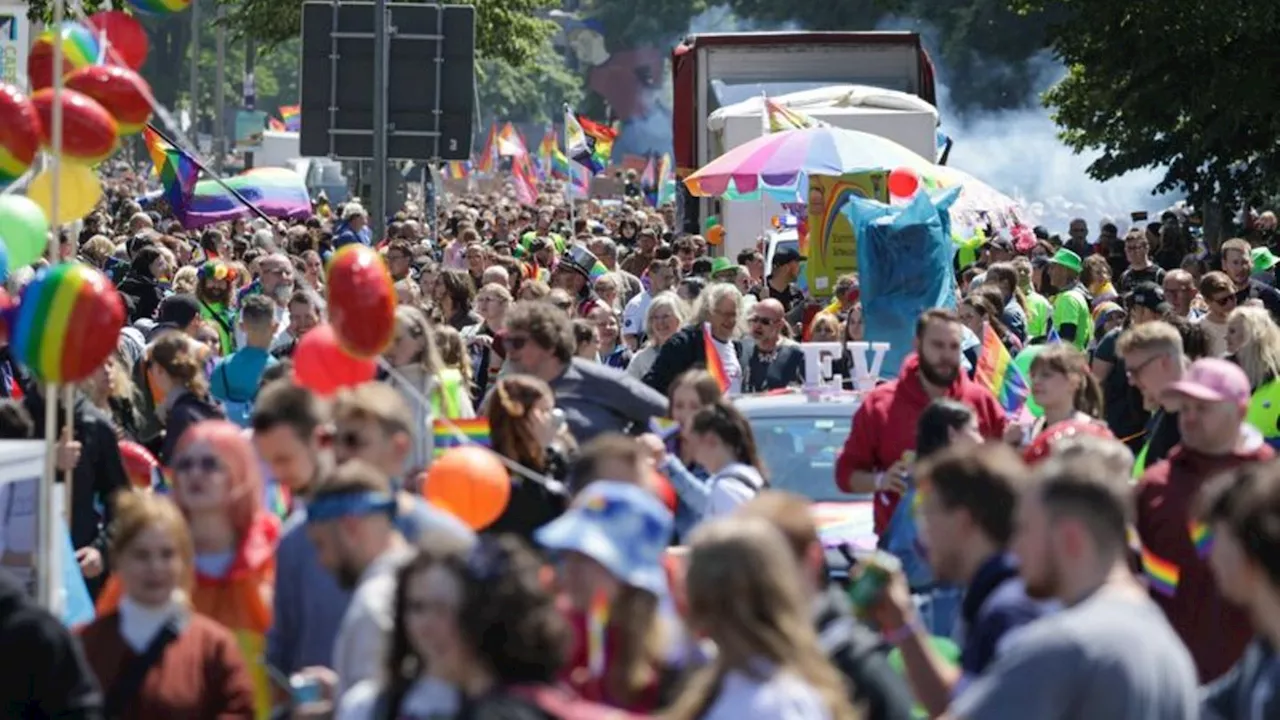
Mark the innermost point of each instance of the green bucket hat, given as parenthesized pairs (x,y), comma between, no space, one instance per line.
(1263,259)
(721,264)
(1067,259)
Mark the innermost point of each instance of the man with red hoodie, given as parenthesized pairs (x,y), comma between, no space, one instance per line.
(1210,400)
(878,453)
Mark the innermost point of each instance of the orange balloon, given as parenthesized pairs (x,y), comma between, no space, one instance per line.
(715,236)
(469,482)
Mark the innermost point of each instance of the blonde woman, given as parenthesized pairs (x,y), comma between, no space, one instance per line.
(1253,343)
(420,374)
(184,281)
(744,596)
(666,313)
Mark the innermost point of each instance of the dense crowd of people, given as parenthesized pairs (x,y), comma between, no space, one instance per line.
(1113,553)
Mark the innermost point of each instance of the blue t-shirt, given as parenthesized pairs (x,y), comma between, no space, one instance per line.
(995,603)
(234,382)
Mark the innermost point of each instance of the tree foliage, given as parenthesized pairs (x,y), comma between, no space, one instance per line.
(1179,84)
(509,93)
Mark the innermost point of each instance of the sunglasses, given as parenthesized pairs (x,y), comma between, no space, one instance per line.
(515,342)
(204,463)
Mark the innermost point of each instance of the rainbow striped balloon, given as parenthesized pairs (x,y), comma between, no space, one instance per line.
(19,134)
(159,7)
(79,45)
(67,323)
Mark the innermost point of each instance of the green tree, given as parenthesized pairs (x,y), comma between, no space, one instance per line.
(509,93)
(1178,84)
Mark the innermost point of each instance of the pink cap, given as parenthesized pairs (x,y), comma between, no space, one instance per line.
(1213,380)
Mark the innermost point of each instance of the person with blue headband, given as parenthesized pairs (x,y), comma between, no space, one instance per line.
(351,521)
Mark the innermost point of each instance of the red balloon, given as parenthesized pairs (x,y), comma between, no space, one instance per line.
(19,133)
(121,91)
(127,38)
(93,327)
(1042,447)
(362,301)
(322,366)
(138,464)
(903,182)
(88,130)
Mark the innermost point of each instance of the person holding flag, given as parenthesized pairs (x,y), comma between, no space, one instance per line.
(711,340)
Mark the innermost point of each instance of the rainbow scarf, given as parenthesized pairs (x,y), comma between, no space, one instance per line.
(1162,575)
(1202,537)
(476,431)
(997,373)
(715,364)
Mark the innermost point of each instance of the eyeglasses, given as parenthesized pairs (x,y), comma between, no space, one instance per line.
(1133,372)
(204,463)
(761,321)
(349,440)
(515,342)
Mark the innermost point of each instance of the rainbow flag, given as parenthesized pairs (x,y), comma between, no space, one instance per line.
(588,142)
(526,184)
(715,365)
(292,116)
(177,170)
(1162,575)
(666,180)
(649,182)
(597,630)
(579,181)
(485,163)
(278,192)
(997,373)
(1202,537)
(457,169)
(511,143)
(548,145)
(663,427)
(559,165)
(476,431)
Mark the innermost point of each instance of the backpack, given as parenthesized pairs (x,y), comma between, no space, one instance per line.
(238,411)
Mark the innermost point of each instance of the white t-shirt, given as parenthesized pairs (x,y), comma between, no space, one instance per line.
(782,696)
(732,367)
(428,699)
(359,649)
(730,488)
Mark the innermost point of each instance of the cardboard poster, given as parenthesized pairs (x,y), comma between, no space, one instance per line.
(833,248)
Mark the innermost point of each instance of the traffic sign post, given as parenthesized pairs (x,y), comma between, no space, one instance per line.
(387,81)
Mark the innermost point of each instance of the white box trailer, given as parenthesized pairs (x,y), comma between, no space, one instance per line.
(905,119)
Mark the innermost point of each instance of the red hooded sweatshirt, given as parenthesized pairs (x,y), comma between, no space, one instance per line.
(884,427)
(1214,630)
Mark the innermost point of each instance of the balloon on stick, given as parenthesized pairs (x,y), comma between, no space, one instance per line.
(139,464)
(159,7)
(68,323)
(19,134)
(362,300)
(89,132)
(79,48)
(79,192)
(124,34)
(903,182)
(24,229)
(322,366)
(119,90)
(469,482)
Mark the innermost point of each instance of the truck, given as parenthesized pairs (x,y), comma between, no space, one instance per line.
(716,75)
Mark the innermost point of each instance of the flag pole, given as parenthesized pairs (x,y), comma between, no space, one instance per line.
(568,186)
(212,175)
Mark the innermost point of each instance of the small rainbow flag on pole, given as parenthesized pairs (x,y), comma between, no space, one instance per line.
(715,364)
(597,630)
(474,430)
(1202,537)
(997,373)
(663,427)
(292,116)
(1161,574)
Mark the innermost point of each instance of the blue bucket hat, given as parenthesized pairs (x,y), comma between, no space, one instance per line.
(623,527)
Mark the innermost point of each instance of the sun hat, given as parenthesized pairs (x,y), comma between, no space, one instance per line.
(721,264)
(624,527)
(1067,259)
(1263,259)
